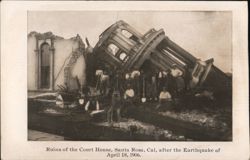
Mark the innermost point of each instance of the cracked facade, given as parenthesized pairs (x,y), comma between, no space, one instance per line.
(54,61)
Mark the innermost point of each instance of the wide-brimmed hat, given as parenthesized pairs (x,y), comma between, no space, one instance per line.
(174,65)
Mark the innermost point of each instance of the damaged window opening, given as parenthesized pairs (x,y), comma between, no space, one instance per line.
(113,49)
(130,36)
(45,66)
(127,34)
(123,56)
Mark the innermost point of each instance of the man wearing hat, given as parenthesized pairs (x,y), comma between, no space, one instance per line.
(175,72)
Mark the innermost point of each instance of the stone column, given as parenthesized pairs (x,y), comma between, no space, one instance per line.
(52,65)
(38,64)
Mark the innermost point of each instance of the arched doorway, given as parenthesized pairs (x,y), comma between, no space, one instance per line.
(45,66)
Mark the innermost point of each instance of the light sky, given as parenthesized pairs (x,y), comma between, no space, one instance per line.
(203,34)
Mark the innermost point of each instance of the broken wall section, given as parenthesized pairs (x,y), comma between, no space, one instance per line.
(62,52)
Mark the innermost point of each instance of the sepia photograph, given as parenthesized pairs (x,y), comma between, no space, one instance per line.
(99,80)
(129,76)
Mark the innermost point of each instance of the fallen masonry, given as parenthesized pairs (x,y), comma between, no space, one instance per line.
(125,60)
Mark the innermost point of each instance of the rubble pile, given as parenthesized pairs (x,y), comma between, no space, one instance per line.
(199,117)
(132,125)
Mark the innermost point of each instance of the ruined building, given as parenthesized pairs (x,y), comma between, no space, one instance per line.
(54,62)
(122,47)
(58,63)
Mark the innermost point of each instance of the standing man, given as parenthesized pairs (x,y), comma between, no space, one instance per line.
(135,75)
(154,88)
(92,102)
(175,72)
(165,99)
(187,77)
(115,107)
(162,80)
(129,95)
(104,83)
(170,83)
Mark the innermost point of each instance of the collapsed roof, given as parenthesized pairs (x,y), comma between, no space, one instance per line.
(120,46)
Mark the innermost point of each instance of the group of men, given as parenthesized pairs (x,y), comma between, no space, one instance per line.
(127,89)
